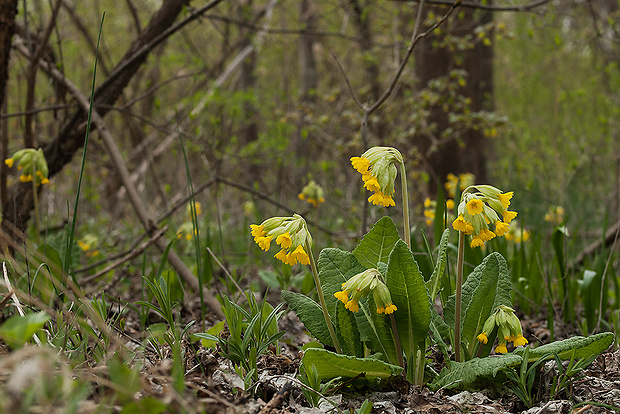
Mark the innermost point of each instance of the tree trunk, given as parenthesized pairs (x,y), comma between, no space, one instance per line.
(8,10)
(470,151)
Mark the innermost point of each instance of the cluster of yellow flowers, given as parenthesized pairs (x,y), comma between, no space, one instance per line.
(480,206)
(32,164)
(312,193)
(361,285)
(290,233)
(508,329)
(378,169)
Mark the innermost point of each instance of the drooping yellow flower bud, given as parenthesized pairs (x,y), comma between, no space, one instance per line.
(290,233)
(378,166)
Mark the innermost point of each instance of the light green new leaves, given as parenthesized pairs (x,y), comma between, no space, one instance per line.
(409,294)
(462,374)
(330,365)
(377,244)
(310,314)
(487,287)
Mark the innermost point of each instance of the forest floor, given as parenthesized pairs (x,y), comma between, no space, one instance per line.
(211,385)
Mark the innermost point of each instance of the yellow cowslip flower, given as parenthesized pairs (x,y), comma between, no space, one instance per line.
(450,204)
(32,163)
(474,206)
(480,206)
(508,329)
(501,348)
(312,193)
(361,285)
(378,166)
(290,233)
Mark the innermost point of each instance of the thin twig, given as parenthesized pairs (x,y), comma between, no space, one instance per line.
(487,7)
(226,272)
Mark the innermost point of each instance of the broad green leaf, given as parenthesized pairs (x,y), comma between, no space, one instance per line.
(487,287)
(331,365)
(17,330)
(408,291)
(336,267)
(583,347)
(377,244)
(463,374)
(310,314)
(440,266)
(376,330)
(348,332)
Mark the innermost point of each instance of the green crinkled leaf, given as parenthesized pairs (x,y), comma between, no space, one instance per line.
(336,267)
(440,267)
(408,291)
(462,374)
(348,332)
(310,314)
(583,346)
(376,330)
(487,287)
(377,244)
(330,365)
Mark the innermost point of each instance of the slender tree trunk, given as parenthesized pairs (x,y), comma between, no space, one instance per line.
(469,152)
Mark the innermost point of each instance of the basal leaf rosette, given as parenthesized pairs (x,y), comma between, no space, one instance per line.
(482,206)
(290,233)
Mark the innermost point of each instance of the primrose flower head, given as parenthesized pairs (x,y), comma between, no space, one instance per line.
(312,193)
(32,164)
(480,206)
(290,233)
(361,285)
(508,329)
(378,166)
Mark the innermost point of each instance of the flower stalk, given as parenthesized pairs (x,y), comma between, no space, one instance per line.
(319,291)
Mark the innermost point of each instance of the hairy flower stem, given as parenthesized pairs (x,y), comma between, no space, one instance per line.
(457,304)
(399,351)
(319,291)
(405,193)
